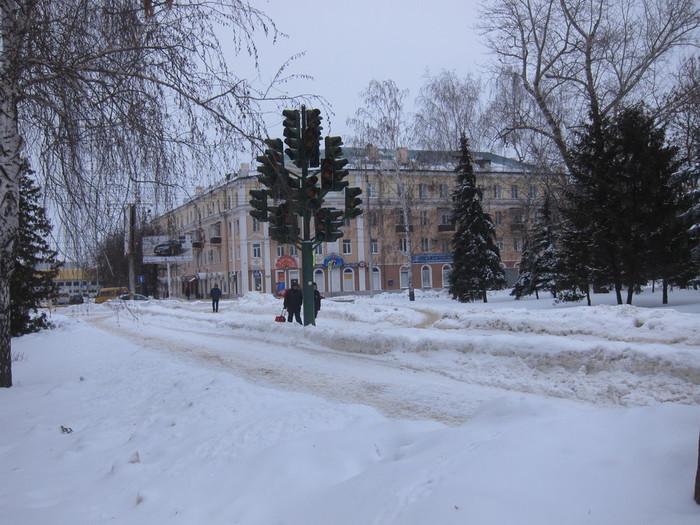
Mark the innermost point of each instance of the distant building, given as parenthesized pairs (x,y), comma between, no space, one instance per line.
(74,280)
(233,250)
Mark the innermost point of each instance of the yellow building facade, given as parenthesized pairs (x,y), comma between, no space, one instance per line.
(403,237)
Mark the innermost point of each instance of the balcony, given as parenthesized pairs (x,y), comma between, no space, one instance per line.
(446,227)
(517,227)
(215,240)
(401,228)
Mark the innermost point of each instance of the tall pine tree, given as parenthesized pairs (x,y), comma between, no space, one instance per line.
(29,285)
(477,260)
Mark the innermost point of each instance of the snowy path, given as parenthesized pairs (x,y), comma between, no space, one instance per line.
(621,357)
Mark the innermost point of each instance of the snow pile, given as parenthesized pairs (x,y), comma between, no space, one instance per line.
(385,412)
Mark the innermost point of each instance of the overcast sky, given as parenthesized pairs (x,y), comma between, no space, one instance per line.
(348,44)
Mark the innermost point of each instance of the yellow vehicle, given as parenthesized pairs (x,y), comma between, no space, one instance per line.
(109,293)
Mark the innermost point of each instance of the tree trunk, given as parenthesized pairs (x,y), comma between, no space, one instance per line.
(9,222)
(630,294)
(618,292)
(10,168)
(697,477)
(664,287)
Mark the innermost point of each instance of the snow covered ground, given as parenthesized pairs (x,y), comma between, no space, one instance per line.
(386,412)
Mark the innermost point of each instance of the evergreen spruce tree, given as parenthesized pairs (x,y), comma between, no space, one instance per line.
(539,265)
(623,206)
(35,262)
(477,260)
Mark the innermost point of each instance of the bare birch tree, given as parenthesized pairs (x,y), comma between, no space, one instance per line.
(383,123)
(581,59)
(107,97)
(447,108)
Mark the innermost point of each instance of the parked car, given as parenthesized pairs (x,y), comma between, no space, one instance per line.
(62,299)
(135,297)
(76,299)
(171,247)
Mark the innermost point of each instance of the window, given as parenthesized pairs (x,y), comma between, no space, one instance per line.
(403,245)
(497,192)
(371,189)
(516,244)
(257,251)
(513,192)
(517,217)
(280,250)
(446,271)
(403,277)
(292,250)
(422,191)
(318,250)
(533,191)
(399,217)
(446,247)
(373,220)
(256,225)
(424,218)
(425,244)
(445,217)
(426,277)
(374,246)
(499,217)
(443,191)
(347,247)
(499,243)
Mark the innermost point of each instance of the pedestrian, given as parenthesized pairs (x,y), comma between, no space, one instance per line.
(317,300)
(292,302)
(187,292)
(215,294)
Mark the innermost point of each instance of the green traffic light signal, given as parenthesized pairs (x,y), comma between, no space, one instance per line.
(352,202)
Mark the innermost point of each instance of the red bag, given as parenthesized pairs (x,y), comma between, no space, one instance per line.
(280,318)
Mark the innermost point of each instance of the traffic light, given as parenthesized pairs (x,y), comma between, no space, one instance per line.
(312,137)
(292,133)
(259,202)
(283,224)
(327,224)
(271,167)
(352,202)
(332,172)
(311,194)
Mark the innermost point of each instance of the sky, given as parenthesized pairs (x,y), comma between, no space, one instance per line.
(348,44)
(386,412)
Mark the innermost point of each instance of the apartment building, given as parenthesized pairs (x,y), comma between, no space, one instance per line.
(404,234)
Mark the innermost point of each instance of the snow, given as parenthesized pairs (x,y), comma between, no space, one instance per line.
(386,412)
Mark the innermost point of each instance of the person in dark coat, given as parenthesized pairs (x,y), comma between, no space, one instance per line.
(317,300)
(292,302)
(215,294)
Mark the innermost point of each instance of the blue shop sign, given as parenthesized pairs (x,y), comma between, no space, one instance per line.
(433,258)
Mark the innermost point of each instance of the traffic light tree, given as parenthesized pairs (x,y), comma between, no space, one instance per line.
(292,197)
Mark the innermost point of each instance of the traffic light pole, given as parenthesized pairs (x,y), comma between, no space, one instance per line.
(307,254)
